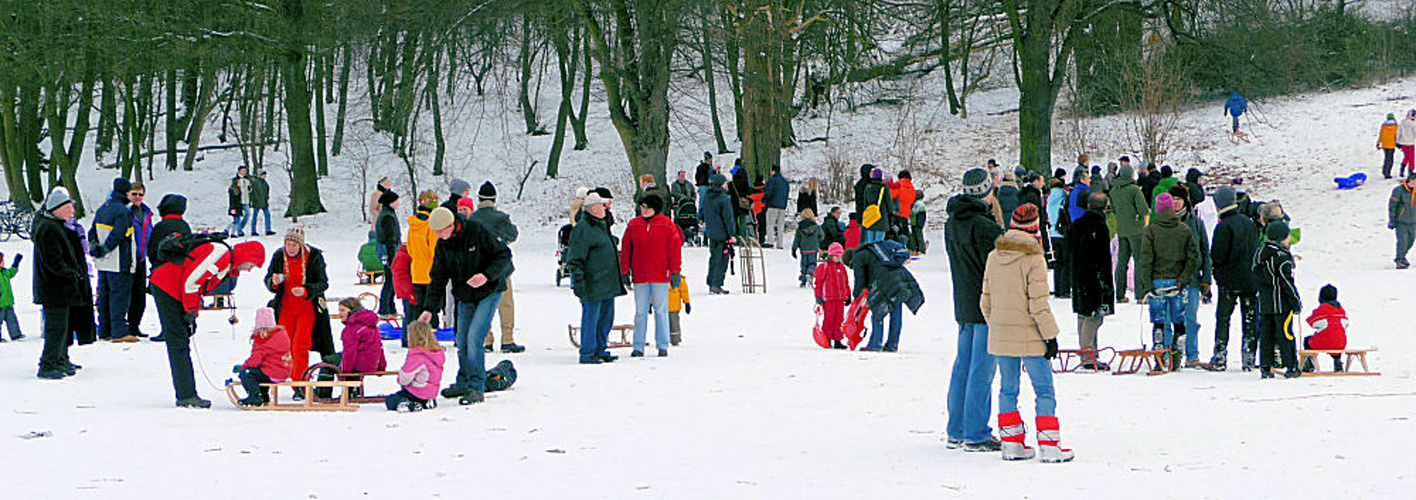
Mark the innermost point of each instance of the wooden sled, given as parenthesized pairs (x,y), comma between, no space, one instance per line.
(368,299)
(370,278)
(1358,354)
(311,403)
(624,331)
(1071,360)
(218,301)
(1238,137)
(1132,361)
(753,265)
(357,395)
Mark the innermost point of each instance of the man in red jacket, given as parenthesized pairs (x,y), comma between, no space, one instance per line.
(650,257)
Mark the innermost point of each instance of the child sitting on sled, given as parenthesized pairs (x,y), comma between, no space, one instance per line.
(1329,320)
(678,300)
(270,359)
(369,255)
(833,289)
(421,373)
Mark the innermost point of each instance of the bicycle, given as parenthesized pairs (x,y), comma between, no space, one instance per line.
(15,220)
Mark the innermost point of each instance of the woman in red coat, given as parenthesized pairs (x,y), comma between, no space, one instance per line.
(1329,320)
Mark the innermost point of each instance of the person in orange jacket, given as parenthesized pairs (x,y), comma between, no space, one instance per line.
(678,300)
(1386,141)
(903,191)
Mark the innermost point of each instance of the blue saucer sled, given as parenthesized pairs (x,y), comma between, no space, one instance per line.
(1351,182)
(389,332)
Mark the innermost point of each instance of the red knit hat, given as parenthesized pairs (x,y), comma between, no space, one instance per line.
(1025,218)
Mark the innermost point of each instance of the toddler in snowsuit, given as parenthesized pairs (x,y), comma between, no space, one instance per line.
(421,373)
(270,359)
(7,298)
(1278,301)
(369,255)
(806,242)
(881,267)
(678,300)
(833,289)
(1329,320)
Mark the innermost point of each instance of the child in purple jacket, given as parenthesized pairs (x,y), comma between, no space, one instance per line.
(421,373)
(363,348)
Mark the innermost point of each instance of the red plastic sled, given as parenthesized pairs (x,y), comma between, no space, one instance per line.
(856,316)
(819,333)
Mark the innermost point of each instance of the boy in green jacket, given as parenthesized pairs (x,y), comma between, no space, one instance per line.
(7,298)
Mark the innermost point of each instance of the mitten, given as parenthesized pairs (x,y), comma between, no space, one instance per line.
(820,301)
(1051,349)
(236,369)
(18,258)
(624,280)
(687,308)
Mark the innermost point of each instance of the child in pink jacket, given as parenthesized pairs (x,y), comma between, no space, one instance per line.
(833,289)
(421,372)
(363,348)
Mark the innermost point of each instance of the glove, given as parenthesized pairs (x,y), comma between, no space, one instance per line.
(794,254)
(236,369)
(732,240)
(1051,349)
(675,280)
(687,308)
(820,301)
(98,251)
(18,258)
(624,280)
(1391,225)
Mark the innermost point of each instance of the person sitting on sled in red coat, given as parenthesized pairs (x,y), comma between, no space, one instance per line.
(1330,321)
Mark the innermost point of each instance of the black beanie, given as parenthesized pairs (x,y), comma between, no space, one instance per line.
(387,198)
(654,202)
(604,192)
(122,185)
(1276,231)
(1327,293)
(487,192)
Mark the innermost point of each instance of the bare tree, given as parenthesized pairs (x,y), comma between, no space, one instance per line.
(1154,94)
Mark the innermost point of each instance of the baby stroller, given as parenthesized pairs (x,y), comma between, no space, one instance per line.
(562,242)
(686,217)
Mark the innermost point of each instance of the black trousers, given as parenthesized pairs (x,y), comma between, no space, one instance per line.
(251,379)
(177,327)
(138,298)
(56,339)
(1386,162)
(1062,268)
(1248,322)
(1277,330)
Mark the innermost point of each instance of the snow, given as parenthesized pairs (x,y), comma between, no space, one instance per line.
(747,407)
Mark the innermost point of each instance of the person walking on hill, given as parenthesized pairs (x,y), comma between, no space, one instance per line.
(260,203)
(1401,217)
(1386,142)
(1406,140)
(969,237)
(1235,107)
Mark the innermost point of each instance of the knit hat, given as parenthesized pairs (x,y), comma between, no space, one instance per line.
(653,201)
(487,191)
(172,204)
(1276,231)
(440,219)
(591,200)
(1327,293)
(877,174)
(427,198)
(581,191)
(835,250)
(265,317)
(459,186)
(1164,202)
(467,202)
(976,182)
(1193,175)
(387,198)
(717,180)
(1025,218)
(58,197)
(122,185)
(1224,198)
(1166,172)
(707,155)
(1180,192)
(1391,116)
(1060,173)
(296,233)
(1127,171)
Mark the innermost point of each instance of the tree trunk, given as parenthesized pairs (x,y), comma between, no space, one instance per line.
(566,62)
(321,155)
(107,116)
(733,57)
(30,124)
(304,183)
(708,77)
(577,120)
(526,59)
(440,142)
(761,88)
(344,69)
(174,126)
(10,142)
(202,107)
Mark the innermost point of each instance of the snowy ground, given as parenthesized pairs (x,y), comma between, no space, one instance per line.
(747,407)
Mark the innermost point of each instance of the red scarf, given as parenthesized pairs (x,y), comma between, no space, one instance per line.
(295,269)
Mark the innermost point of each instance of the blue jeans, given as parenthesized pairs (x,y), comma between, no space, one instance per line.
(702,192)
(1039,372)
(971,386)
(474,320)
(386,306)
(255,212)
(808,266)
(868,237)
(1192,323)
(877,329)
(12,322)
(596,318)
(654,295)
(1236,123)
(1167,311)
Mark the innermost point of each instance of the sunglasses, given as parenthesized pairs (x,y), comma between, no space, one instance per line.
(140,195)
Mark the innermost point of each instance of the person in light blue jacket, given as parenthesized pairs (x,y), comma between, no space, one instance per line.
(1060,258)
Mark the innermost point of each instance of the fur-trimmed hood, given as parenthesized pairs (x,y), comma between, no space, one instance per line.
(1016,244)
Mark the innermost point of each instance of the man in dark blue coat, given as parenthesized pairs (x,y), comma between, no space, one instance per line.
(1236,241)
(114,256)
(778,190)
(720,227)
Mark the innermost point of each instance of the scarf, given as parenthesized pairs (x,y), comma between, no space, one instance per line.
(295,269)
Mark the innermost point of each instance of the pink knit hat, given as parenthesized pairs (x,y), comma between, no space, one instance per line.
(835,250)
(1164,202)
(265,317)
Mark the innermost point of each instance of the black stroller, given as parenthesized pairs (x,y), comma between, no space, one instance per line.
(686,217)
(562,242)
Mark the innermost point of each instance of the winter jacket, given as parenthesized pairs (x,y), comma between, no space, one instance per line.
(1406,131)
(271,354)
(1168,251)
(1401,209)
(1130,207)
(807,238)
(1147,184)
(1236,241)
(593,261)
(1329,320)
(234,207)
(401,273)
(375,207)
(832,282)
(1386,137)
(1204,272)
(421,374)
(369,255)
(1196,192)
(363,348)
(1014,297)
(111,236)
(740,190)
(316,282)
(683,191)
(1077,201)
(205,267)
(387,232)
(61,276)
(1235,106)
(718,221)
(471,250)
(1092,290)
(1031,194)
(260,193)
(142,233)
(807,199)
(852,235)
(880,268)
(497,221)
(7,294)
(171,209)
(1274,271)
(832,232)
(877,192)
(1054,211)
(422,242)
(678,296)
(1008,201)
(859,190)
(778,192)
(904,194)
(1162,186)
(702,173)
(969,236)
(651,249)
(451,203)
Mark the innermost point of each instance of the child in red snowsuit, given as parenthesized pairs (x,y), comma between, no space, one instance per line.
(833,289)
(1329,320)
(270,359)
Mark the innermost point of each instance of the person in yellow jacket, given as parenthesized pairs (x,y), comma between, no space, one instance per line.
(421,243)
(678,299)
(1386,141)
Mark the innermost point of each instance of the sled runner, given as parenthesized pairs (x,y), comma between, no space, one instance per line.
(754,266)
(1312,356)
(371,277)
(325,372)
(819,332)
(310,404)
(624,331)
(369,300)
(856,316)
(1071,360)
(1132,361)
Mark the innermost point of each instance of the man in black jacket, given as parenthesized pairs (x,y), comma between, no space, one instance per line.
(170,209)
(61,283)
(477,265)
(1092,290)
(594,264)
(702,173)
(831,229)
(389,235)
(969,236)
(1235,243)
(499,223)
(720,229)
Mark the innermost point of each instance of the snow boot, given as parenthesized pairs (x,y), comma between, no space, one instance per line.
(1336,364)
(1157,335)
(836,344)
(512,348)
(1013,435)
(471,398)
(1265,373)
(1402,264)
(1217,362)
(407,406)
(1292,372)
(1049,441)
(1308,365)
(990,445)
(193,402)
(675,338)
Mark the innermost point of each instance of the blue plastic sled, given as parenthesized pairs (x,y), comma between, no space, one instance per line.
(390,332)
(1351,182)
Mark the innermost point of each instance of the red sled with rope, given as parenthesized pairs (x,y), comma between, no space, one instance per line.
(856,316)
(819,332)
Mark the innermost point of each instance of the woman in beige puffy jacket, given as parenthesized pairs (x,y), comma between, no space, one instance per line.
(1022,335)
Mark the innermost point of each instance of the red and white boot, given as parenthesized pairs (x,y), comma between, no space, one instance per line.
(1012,434)
(1049,440)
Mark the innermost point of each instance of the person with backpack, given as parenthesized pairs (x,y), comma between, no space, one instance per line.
(1235,107)
(875,220)
(806,243)
(891,287)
